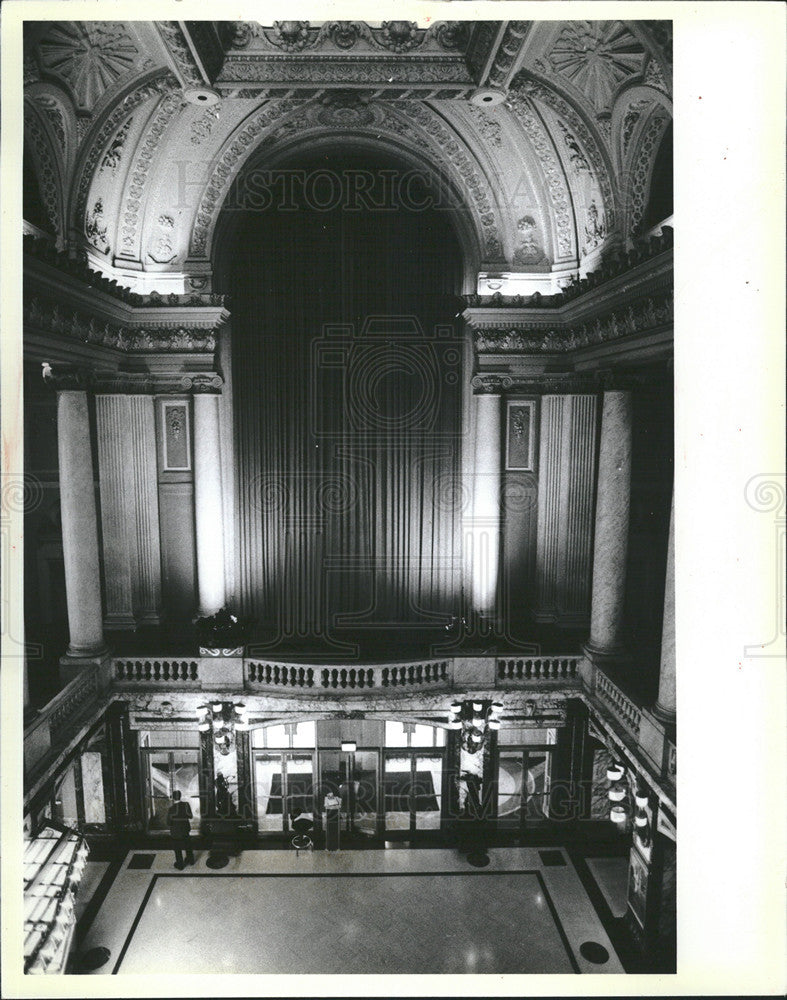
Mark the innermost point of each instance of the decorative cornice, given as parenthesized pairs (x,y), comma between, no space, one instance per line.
(159,335)
(400,37)
(523,338)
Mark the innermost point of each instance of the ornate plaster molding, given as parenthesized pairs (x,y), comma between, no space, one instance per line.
(166,336)
(557,186)
(183,59)
(152,86)
(524,338)
(47,167)
(168,108)
(156,383)
(598,164)
(88,56)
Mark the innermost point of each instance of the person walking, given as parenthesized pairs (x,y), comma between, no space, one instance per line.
(178,817)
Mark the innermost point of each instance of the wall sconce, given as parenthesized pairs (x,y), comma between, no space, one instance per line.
(224,719)
(474,719)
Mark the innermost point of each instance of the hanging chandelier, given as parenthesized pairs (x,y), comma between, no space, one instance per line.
(474,719)
(223,719)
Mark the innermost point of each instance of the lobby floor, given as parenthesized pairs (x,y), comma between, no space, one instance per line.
(403,911)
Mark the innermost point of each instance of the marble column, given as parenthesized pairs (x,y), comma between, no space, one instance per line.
(80,525)
(487,482)
(146,561)
(209,514)
(565,508)
(612,525)
(113,420)
(664,708)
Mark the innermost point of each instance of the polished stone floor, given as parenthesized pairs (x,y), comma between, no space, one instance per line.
(387,911)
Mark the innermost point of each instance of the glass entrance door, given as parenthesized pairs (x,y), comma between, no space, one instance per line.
(523,786)
(284,788)
(413,791)
(167,771)
(352,776)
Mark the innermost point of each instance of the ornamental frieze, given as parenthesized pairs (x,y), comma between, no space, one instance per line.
(340,36)
(638,317)
(344,70)
(165,337)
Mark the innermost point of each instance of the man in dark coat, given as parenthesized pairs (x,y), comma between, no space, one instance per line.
(178,818)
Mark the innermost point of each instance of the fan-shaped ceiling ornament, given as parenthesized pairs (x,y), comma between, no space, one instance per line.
(596,57)
(88,57)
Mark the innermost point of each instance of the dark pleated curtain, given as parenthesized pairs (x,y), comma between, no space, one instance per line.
(347,377)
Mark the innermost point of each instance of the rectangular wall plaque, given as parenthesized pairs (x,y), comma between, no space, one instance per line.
(520,435)
(177,440)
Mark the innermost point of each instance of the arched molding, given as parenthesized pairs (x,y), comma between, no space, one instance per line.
(632,108)
(59,110)
(103,129)
(588,132)
(143,161)
(540,138)
(308,143)
(48,165)
(517,182)
(409,129)
(638,170)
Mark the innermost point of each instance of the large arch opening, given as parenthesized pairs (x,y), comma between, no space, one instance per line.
(348,367)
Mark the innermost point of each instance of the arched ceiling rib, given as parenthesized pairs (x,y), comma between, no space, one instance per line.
(549,129)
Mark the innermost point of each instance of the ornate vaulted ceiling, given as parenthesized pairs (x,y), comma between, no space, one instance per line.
(546,133)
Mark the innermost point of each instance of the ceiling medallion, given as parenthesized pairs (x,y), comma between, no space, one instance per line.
(89,56)
(596,56)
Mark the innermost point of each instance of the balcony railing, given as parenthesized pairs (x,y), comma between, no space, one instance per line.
(257,674)
(623,708)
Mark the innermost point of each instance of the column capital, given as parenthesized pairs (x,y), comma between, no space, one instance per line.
(156,383)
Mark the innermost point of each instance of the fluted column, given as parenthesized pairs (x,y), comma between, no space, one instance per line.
(612,525)
(565,508)
(80,525)
(209,514)
(487,483)
(146,558)
(115,441)
(665,705)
